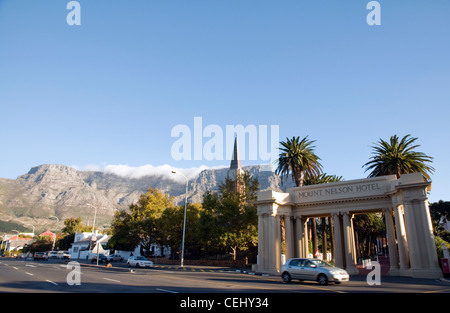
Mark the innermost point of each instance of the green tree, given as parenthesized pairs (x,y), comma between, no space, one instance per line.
(171,228)
(398,157)
(73,225)
(229,219)
(41,244)
(367,228)
(323,178)
(297,158)
(440,213)
(139,225)
(123,237)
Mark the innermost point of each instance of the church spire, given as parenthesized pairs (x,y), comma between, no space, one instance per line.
(235,172)
(235,160)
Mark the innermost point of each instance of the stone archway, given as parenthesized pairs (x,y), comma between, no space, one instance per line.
(410,238)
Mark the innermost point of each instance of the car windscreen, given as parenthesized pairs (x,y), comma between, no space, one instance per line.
(320,263)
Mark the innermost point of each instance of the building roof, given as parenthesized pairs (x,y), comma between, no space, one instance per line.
(86,241)
(47,233)
(18,238)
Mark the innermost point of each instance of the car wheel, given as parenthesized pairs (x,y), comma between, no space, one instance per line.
(322,279)
(286,277)
(137,265)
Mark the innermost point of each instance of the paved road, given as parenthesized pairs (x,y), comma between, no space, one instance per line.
(30,276)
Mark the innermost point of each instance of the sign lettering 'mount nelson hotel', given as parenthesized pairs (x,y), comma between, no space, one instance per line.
(403,201)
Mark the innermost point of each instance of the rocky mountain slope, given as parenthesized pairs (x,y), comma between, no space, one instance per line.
(58,190)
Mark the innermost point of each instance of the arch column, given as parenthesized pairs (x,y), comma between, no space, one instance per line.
(275,233)
(338,253)
(289,236)
(400,231)
(390,232)
(269,242)
(262,241)
(422,250)
(301,237)
(349,243)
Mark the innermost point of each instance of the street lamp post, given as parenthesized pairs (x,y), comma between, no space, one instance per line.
(54,238)
(184,222)
(15,244)
(92,235)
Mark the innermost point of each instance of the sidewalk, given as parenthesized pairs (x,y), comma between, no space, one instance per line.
(384,264)
(122,266)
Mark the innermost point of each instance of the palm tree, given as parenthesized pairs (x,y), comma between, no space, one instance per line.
(298,158)
(321,179)
(397,158)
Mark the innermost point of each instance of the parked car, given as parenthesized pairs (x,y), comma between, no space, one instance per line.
(63,255)
(114,258)
(101,258)
(52,254)
(312,269)
(40,256)
(139,261)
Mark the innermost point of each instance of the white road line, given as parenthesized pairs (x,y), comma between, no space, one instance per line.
(164,290)
(51,282)
(30,265)
(15,268)
(29,274)
(114,280)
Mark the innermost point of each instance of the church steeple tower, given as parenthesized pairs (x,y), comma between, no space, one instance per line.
(235,171)
(235,160)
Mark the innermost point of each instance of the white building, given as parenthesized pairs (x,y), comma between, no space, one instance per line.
(80,247)
(14,243)
(82,241)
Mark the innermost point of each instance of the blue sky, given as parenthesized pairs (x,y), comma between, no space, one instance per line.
(110,91)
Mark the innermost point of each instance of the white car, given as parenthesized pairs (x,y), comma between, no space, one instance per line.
(312,269)
(114,258)
(63,255)
(139,261)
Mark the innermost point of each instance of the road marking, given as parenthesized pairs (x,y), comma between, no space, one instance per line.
(29,274)
(164,290)
(15,268)
(30,265)
(51,282)
(433,291)
(114,280)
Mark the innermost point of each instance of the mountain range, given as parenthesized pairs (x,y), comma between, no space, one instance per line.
(50,193)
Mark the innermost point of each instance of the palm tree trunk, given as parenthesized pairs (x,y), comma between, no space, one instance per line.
(314,236)
(324,238)
(302,178)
